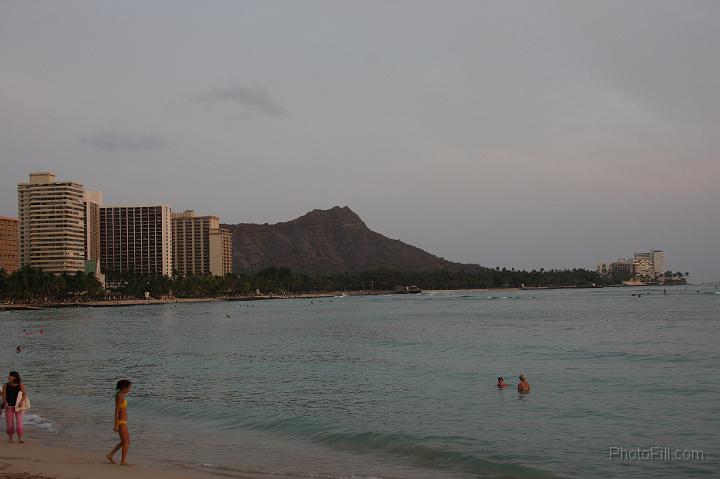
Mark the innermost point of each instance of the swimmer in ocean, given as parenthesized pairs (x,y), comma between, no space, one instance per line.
(502,384)
(523,386)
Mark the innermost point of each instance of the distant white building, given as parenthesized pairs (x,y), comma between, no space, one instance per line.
(650,264)
(646,266)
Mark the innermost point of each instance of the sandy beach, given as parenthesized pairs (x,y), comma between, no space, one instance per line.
(33,460)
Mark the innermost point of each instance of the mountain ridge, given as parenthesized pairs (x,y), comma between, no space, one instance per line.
(335,240)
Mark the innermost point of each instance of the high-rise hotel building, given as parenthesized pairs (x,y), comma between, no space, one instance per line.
(200,246)
(9,244)
(221,242)
(135,240)
(57,230)
(650,264)
(93,202)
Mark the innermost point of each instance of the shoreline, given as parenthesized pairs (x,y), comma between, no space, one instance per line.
(146,302)
(36,460)
(117,303)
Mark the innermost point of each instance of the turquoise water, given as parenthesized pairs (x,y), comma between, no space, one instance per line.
(387,386)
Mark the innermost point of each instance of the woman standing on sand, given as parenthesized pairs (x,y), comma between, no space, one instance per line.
(10,394)
(121,390)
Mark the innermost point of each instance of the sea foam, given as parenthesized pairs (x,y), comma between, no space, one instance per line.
(39,422)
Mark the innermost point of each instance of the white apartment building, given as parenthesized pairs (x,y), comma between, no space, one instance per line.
(650,264)
(57,228)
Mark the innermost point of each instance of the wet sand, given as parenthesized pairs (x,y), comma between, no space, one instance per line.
(33,460)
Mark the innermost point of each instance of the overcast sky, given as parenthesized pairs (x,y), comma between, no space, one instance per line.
(521,134)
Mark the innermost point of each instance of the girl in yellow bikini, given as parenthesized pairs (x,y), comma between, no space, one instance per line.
(123,387)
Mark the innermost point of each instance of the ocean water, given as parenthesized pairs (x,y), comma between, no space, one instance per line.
(387,386)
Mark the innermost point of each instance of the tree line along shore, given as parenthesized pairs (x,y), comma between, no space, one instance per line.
(32,286)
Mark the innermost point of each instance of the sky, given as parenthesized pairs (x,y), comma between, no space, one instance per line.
(526,134)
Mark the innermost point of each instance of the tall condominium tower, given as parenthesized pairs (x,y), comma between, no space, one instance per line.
(93,202)
(9,245)
(221,252)
(135,240)
(200,246)
(56,230)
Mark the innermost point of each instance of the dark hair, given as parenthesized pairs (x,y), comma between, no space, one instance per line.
(122,384)
(500,379)
(16,376)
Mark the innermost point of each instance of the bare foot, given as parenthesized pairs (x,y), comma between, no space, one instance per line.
(21,441)
(110,458)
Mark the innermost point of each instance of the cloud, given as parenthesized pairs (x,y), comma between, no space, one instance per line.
(255,97)
(122,141)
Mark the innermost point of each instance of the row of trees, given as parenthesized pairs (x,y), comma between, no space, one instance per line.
(32,283)
(285,281)
(29,283)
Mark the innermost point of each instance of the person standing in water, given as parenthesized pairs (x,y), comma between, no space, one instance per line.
(523,386)
(121,418)
(9,398)
(502,384)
